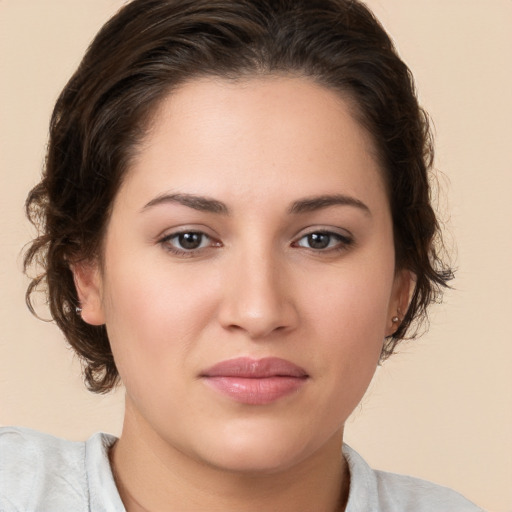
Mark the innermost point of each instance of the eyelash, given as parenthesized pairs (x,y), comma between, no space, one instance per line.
(342,242)
(167,243)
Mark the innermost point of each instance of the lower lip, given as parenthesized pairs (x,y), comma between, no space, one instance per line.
(256,391)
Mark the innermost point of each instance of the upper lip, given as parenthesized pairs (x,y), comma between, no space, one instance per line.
(246,367)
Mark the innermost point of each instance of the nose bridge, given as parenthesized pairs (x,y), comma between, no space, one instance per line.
(257,300)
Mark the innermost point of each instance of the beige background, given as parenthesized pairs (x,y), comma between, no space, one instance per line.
(442,408)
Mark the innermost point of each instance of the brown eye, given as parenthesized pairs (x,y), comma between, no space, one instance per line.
(190,241)
(186,241)
(318,240)
(321,240)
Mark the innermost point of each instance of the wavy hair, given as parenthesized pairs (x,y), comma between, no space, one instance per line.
(150,47)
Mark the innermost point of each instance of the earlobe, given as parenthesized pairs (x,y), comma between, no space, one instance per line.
(88,283)
(400,299)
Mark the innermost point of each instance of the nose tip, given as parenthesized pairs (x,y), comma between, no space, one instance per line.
(256,325)
(259,304)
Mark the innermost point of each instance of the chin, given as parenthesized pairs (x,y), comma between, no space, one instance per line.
(260,450)
(250,461)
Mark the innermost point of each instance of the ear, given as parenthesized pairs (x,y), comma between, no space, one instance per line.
(88,283)
(400,298)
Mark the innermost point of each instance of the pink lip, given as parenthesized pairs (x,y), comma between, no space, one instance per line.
(255,381)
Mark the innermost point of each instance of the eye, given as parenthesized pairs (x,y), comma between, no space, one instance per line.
(322,240)
(186,242)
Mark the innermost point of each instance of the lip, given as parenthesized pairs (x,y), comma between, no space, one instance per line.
(255,381)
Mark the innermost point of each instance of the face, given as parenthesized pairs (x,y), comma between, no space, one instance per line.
(248,278)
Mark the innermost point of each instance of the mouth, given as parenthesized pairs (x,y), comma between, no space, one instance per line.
(255,381)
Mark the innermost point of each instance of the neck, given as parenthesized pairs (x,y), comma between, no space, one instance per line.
(153,476)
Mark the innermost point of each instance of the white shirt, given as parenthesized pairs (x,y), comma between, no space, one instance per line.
(42,473)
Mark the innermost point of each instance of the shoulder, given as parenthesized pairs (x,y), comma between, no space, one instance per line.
(39,470)
(42,472)
(408,493)
(389,492)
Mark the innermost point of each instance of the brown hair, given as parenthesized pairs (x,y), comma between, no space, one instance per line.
(151,46)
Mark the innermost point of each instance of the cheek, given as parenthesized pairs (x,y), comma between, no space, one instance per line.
(353,303)
(353,326)
(349,320)
(154,317)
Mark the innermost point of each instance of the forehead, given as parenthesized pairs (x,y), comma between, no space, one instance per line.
(262,104)
(212,133)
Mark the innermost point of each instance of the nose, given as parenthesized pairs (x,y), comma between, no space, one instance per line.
(258,298)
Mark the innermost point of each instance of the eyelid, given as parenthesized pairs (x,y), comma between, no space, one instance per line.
(345,238)
(171,231)
(165,241)
(329,230)
(176,234)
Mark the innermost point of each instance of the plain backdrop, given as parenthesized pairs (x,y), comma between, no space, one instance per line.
(442,408)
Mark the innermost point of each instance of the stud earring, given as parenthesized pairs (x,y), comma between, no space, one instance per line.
(395,319)
(78,310)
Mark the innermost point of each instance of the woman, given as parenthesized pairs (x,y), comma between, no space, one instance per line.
(235,223)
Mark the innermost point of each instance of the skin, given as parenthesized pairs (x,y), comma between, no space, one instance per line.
(255,287)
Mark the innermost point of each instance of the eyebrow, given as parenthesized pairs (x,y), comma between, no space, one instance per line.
(310,204)
(203,204)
